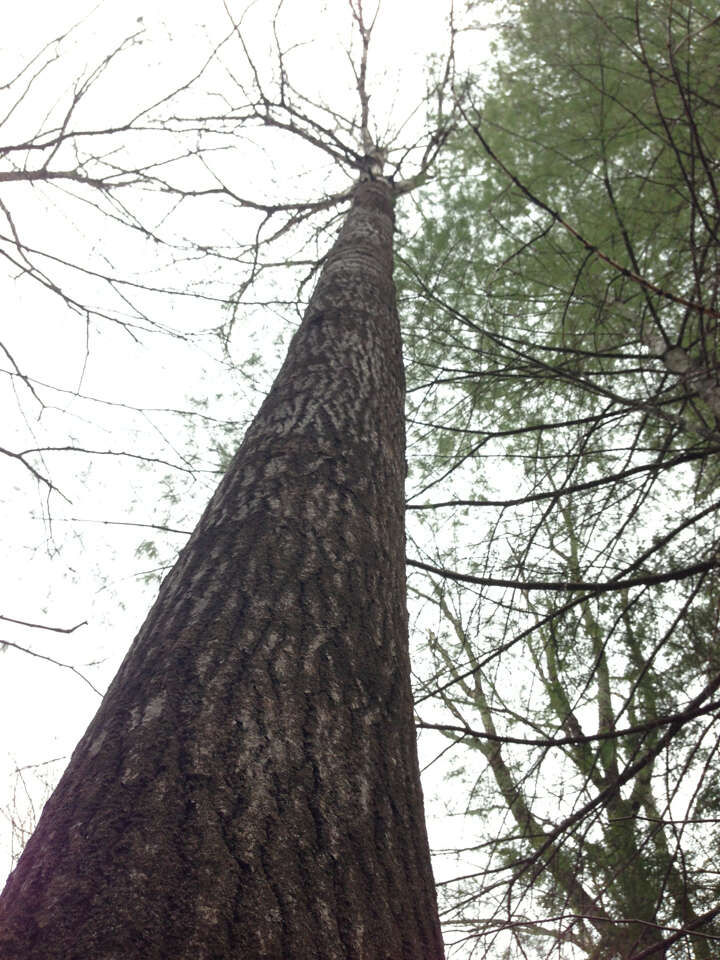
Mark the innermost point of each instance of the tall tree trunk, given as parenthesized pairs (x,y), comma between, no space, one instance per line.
(249,787)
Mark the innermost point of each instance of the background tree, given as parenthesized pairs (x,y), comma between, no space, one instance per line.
(563,342)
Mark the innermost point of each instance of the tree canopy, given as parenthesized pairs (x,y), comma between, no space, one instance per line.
(562,304)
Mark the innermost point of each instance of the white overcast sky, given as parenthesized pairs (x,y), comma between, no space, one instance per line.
(43,708)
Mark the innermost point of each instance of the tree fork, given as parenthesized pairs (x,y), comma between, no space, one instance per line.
(249,787)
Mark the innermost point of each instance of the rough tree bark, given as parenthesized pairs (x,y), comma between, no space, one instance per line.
(249,787)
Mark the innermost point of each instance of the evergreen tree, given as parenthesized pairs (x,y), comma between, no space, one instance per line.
(565,326)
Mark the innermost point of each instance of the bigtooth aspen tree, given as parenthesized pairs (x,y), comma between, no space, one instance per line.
(249,787)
